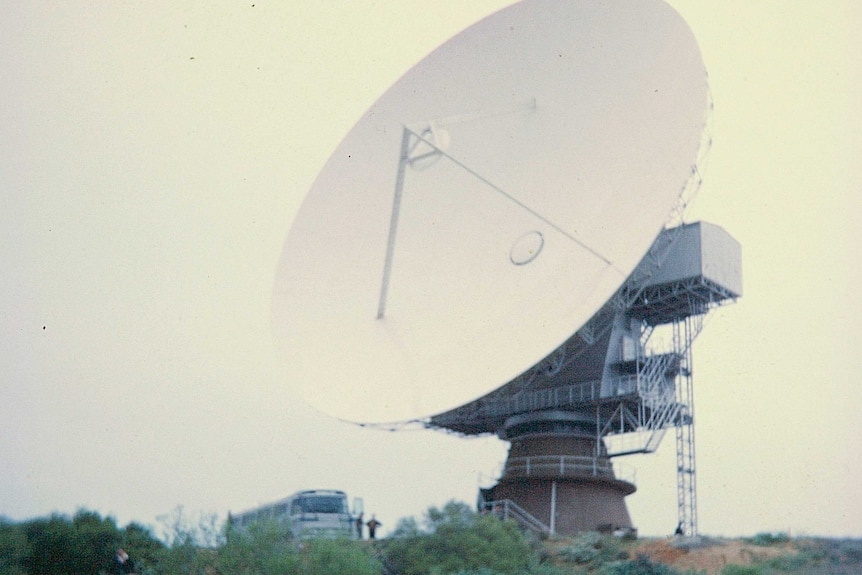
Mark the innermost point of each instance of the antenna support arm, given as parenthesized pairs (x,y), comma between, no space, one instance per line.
(403,160)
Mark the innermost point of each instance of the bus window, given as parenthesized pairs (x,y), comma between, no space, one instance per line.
(324,504)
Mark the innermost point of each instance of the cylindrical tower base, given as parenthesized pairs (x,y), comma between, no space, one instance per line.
(580,505)
(563,478)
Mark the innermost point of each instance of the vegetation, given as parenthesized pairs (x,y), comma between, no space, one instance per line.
(452,540)
(769,539)
(86,544)
(640,566)
(811,556)
(58,545)
(591,549)
(459,541)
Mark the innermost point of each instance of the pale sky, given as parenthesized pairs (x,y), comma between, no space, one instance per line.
(153,156)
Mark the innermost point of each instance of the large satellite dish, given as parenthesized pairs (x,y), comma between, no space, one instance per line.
(487,205)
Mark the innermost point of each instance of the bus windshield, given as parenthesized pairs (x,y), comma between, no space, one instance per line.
(323,504)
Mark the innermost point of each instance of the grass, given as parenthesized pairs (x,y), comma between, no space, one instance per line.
(591,553)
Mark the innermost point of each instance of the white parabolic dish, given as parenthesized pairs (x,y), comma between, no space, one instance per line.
(568,131)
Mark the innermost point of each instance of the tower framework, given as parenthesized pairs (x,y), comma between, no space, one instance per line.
(686,477)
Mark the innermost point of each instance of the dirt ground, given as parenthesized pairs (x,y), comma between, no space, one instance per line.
(709,554)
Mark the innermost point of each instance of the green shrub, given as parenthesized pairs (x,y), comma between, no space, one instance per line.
(458,540)
(266,548)
(850,550)
(584,548)
(185,559)
(480,571)
(640,566)
(793,562)
(58,545)
(14,549)
(142,546)
(84,543)
(769,539)
(549,569)
(338,557)
(593,549)
(741,570)
(834,554)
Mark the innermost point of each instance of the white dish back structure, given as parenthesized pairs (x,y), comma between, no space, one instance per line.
(548,144)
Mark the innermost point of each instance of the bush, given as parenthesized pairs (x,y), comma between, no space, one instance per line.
(640,566)
(142,546)
(593,549)
(192,543)
(836,551)
(549,569)
(741,570)
(85,543)
(480,571)
(266,548)
(338,557)
(14,549)
(790,562)
(769,539)
(458,540)
(58,545)
(851,550)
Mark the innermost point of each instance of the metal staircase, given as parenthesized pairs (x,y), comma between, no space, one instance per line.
(657,408)
(508,509)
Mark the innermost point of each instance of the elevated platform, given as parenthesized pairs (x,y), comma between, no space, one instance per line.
(700,269)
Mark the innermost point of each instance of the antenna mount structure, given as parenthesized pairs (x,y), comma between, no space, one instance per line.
(535,268)
(614,393)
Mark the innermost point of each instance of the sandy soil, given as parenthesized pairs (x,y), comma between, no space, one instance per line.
(710,554)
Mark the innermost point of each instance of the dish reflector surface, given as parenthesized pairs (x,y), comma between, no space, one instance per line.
(550,142)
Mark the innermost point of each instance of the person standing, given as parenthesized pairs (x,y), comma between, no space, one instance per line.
(373,524)
(122,563)
(359,519)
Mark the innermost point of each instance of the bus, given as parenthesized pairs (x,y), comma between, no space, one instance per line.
(309,513)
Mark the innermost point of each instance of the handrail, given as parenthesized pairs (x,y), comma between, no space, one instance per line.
(566,466)
(539,399)
(580,393)
(508,509)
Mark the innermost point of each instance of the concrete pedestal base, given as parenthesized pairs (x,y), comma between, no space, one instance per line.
(556,479)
